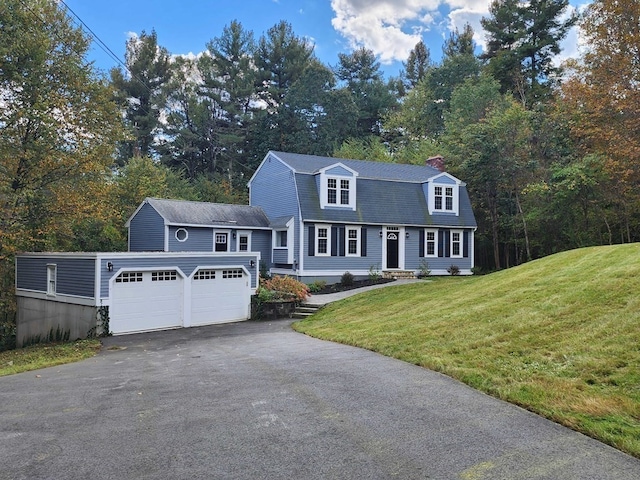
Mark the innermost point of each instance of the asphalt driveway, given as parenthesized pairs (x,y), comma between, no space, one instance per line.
(256,400)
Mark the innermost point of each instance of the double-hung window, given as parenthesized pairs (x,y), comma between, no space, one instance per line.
(444,198)
(353,242)
(437,198)
(344,192)
(51,279)
(323,239)
(243,242)
(431,243)
(448,198)
(332,191)
(456,243)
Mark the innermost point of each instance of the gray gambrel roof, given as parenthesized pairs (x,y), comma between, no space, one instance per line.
(387,193)
(182,212)
(311,164)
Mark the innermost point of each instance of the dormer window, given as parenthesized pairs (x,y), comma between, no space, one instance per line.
(338,187)
(443,193)
(335,195)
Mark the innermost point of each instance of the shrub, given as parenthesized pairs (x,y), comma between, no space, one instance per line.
(374,273)
(454,270)
(347,279)
(283,288)
(317,286)
(423,269)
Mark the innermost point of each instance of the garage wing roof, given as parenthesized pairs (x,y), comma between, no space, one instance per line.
(207,214)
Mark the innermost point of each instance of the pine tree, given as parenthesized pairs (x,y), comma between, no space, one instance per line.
(363,77)
(417,64)
(139,91)
(523,38)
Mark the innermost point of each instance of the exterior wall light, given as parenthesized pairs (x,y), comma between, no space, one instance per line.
(109,267)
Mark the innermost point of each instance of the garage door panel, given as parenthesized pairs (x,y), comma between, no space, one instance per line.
(219,296)
(142,301)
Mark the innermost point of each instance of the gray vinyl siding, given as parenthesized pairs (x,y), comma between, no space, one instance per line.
(281,256)
(146,231)
(199,239)
(74,276)
(273,188)
(261,242)
(186,264)
(338,171)
(346,263)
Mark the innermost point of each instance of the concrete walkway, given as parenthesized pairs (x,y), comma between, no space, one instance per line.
(333,297)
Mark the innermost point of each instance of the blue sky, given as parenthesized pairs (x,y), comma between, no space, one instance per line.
(388,27)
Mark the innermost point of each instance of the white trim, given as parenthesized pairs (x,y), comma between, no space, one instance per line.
(324,187)
(401,246)
(319,226)
(358,231)
(166,237)
(243,233)
(435,232)
(460,241)
(186,234)
(431,202)
(52,279)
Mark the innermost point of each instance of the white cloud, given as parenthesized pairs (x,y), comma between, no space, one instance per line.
(391,28)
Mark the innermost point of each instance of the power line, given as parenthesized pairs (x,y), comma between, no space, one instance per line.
(105,48)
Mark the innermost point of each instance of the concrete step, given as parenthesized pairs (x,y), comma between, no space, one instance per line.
(305,310)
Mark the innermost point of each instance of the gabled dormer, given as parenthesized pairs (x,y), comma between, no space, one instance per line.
(443,194)
(337,185)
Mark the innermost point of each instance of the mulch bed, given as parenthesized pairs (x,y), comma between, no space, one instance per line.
(338,287)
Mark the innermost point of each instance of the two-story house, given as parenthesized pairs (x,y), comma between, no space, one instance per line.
(332,215)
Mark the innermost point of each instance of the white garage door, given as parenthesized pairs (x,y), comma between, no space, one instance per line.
(143,301)
(219,295)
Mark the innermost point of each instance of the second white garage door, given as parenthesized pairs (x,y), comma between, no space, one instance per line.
(219,295)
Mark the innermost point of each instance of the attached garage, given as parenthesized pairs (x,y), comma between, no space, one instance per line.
(219,295)
(128,292)
(155,299)
(146,300)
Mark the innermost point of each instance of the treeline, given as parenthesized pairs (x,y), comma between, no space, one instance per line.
(550,156)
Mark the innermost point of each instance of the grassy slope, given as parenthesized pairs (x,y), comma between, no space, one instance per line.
(559,336)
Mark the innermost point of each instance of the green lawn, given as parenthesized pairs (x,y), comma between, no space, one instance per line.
(46,355)
(559,336)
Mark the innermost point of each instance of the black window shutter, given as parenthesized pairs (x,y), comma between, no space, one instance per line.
(341,241)
(334,241)
(312,240)
(447,243)
(421,245)
(441,243)
(363,242)
(465,244)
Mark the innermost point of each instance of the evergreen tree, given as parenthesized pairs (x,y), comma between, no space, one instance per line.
(229,82)
(523,37)
(363,77)
(417,64)
(281,58)
(139,91)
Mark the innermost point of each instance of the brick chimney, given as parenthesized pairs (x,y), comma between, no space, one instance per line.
(436,162)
